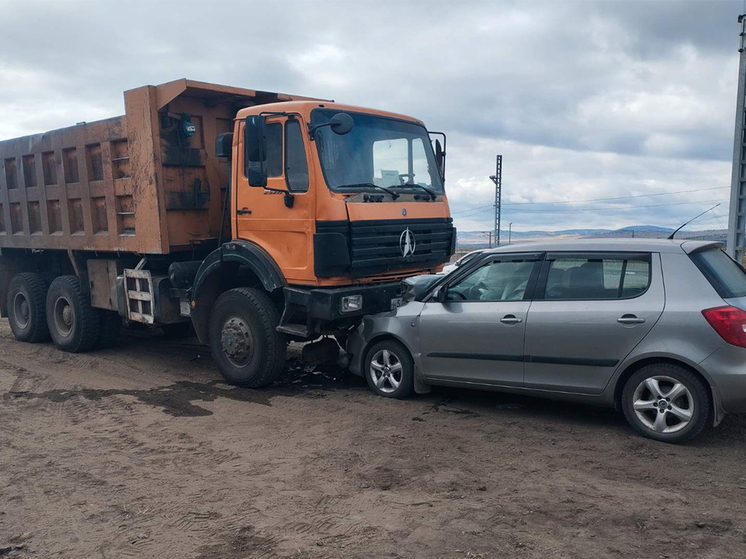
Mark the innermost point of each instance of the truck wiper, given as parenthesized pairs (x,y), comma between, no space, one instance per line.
(388,191)
(430,193)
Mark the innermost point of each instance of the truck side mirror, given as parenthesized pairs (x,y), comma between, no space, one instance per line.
(254,139)
(255,151)
(224,145)
(341,123)
(440,160)
(257,176)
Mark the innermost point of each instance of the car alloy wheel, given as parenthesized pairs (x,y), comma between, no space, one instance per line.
(386,371)
(663,404)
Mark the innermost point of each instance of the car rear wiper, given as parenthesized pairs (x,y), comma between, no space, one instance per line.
(433,195)
(393,194)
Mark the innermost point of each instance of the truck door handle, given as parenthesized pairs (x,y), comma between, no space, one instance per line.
(244,211)
(630,319)
(511,319)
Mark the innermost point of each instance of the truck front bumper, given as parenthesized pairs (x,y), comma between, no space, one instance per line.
(320,309)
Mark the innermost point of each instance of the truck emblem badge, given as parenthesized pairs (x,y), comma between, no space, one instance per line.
(407,243)
(404,211)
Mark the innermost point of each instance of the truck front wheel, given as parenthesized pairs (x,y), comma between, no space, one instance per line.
(73,323)
(26,306)
(244,339)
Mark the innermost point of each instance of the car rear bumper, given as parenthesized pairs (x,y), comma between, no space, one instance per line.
(727,370)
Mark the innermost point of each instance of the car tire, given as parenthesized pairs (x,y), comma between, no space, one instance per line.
(244,340)
(389,369)
(667,402)
(73,323)
(110,329)
(27,307)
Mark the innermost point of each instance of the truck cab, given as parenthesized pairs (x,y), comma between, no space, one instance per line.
(344,201)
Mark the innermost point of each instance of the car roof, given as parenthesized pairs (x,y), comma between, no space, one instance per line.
(608,245)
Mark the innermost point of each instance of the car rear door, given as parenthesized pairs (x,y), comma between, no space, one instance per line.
(474,333)
(589,311)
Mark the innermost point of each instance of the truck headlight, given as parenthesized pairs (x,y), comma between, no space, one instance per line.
(351,303)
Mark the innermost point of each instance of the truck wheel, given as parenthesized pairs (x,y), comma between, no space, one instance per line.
(73,323)
(110,329)
(389,369)
(666,402)
(26,304)
(244,339)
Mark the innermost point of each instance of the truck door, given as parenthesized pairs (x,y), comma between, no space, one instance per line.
(281,224)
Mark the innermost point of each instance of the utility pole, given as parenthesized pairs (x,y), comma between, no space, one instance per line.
(510,232)
(497,178)
(737,215)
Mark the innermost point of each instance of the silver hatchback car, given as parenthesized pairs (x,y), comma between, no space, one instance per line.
(656,328)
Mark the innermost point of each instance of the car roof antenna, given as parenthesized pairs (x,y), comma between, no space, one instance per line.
(688,222)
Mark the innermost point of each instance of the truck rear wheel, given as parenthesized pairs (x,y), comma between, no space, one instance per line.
(26,304)
(244,339)
(73,323)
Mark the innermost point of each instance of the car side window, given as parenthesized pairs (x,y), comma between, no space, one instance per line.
(494,281)
(596,278)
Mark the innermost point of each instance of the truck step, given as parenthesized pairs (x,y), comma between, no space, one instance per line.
(293,329)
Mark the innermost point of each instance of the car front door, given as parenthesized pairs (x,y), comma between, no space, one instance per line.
(589,311)
(474,332)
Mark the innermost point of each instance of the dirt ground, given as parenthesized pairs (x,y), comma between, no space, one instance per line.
(141,451)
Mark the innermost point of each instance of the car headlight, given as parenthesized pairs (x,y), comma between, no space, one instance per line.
(351,303)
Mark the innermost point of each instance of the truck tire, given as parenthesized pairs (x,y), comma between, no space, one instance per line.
(244,340)
(110,329)
(26,304)
(73,323)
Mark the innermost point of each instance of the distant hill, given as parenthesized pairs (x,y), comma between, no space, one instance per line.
(477,239)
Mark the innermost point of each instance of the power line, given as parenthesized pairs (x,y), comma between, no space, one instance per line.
(593,199)
(617,208)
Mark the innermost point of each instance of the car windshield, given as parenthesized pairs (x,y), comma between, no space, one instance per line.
(378,151)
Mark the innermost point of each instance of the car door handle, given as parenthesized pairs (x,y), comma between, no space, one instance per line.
(630,319)
(244,211)
(510,319)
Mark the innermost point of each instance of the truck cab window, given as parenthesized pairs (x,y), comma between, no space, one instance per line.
(390,161)
(296,166)
(379,151)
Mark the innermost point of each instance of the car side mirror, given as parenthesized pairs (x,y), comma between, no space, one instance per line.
(439,294)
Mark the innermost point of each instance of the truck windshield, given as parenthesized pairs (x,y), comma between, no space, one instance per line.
(377,151)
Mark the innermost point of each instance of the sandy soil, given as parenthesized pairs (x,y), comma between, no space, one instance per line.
(142,451)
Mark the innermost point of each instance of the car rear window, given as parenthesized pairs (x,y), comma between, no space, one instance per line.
(723,273)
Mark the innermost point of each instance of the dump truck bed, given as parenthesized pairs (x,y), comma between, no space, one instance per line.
(145,182)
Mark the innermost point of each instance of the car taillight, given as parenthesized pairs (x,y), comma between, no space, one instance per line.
(729,322)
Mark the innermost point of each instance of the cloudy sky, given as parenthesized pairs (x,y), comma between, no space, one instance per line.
(628,104)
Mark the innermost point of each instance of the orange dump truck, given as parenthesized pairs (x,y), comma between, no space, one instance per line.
(254,217)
